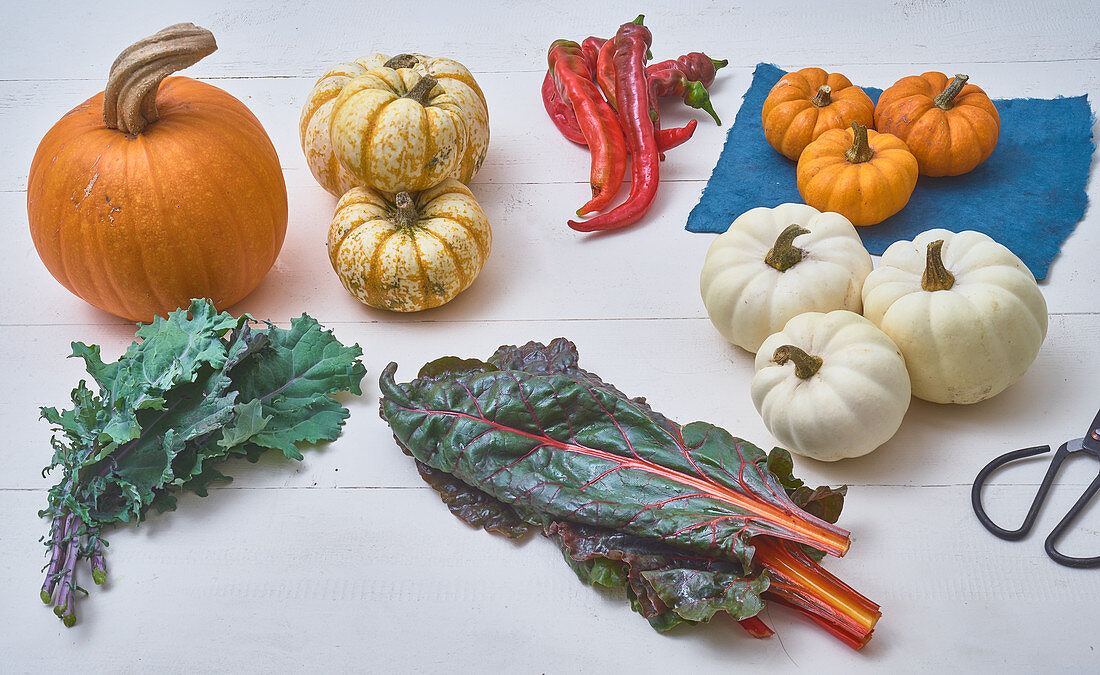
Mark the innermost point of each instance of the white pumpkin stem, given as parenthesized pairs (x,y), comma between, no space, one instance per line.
(130,99)
(936,276)
(406,215)
(805,365)
(823,96)
(946,99)
(861,148)
(785,255)
(422,89)
(401,61)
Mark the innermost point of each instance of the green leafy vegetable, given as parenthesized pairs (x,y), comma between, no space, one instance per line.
(194,389)
(688,519)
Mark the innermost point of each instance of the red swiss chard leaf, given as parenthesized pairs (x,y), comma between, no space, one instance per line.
(474,506)
(569,447)
(663,585)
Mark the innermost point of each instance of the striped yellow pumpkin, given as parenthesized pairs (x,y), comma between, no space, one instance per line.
(407,252)
(451,75)
(397,131)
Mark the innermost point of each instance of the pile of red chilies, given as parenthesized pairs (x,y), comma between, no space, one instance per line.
(600,93)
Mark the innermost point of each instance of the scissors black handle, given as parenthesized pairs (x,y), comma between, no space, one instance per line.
(1036,504)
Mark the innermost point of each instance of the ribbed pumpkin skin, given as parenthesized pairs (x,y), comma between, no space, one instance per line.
(391,142)
(945,142)
(967,343)
(194,206)
(791,121)
(313,125)
(410,269)
(865,193)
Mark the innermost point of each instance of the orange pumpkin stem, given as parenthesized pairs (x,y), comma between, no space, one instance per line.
(130,99)
(401,61)
(805,365)
(936,277)
(823,97)
(422,89)
(946,99)
(406,215)
(785,254)
(861,149)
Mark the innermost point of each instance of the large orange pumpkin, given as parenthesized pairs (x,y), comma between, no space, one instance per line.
(950,126)
(153,193)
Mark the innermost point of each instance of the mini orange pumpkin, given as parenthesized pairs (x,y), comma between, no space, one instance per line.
(863,175)
(807,103)
(951,127)
(152,193)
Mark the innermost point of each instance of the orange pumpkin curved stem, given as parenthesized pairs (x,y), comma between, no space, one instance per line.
(861,149)
(946,99)
(823,97)
(936,276)
(130,99)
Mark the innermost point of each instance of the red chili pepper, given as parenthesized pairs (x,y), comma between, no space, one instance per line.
(668,139)
(597,122)
(605,70)
(696,66)
(632,42)
(561,113)
(674,82)
(605,78)
(687,78)
(590,47)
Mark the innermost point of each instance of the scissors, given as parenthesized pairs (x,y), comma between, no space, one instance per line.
(1089,445)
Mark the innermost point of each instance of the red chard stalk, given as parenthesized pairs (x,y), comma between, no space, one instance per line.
(689,519)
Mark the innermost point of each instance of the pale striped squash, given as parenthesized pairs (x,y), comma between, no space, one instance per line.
(452,76)
(409,252)
(397,131)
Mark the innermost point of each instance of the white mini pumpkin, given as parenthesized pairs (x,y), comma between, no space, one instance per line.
(830,385)
(773,264)
(964,310)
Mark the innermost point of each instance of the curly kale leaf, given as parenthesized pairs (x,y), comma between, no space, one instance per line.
(195,388)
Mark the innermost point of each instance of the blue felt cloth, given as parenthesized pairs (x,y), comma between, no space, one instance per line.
(1028,195)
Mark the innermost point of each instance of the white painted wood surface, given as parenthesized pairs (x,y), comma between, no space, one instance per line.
(346,562)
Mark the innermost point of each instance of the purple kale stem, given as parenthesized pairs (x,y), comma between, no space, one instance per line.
(65,599)
(99,567)
(57,552)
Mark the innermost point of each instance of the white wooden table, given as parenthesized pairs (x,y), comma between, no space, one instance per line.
(347,561)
